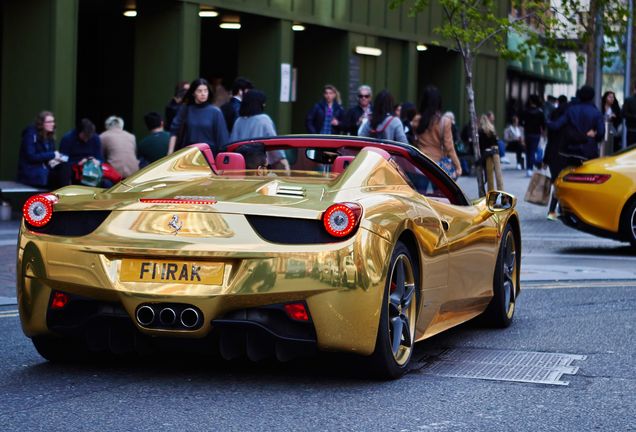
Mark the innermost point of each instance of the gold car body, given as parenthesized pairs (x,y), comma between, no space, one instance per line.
(456,264)
(598,208)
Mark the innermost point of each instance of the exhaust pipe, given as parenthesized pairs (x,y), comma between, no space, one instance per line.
(167,316)
(189,318)
(145,315)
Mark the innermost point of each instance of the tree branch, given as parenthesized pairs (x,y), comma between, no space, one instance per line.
(503,28)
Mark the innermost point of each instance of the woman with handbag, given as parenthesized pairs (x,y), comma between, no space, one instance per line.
(433,133)
(198,121)
(489,148)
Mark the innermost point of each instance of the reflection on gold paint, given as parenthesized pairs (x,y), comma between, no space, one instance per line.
(188,162)
(194,224)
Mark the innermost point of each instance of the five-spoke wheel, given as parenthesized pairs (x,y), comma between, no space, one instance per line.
(501,309)
(396,333)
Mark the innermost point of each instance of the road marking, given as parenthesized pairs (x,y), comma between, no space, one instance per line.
(9,314)
(580,256)
(528,285)
(9,242)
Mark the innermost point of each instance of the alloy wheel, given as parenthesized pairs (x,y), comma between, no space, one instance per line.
(509,263)
(402,309)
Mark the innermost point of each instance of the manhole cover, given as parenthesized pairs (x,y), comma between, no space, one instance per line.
(501,365)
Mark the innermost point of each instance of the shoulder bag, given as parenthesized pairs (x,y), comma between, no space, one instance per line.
(445,162)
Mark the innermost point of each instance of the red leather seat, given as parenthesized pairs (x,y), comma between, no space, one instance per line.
(341,163)
(230,161)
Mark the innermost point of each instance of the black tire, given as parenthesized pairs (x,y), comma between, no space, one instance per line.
(60,349)
(628,223)
(501,309)
(396,332)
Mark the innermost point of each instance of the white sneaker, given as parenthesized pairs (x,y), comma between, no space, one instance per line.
(505,160)
(519,167)
(529,173)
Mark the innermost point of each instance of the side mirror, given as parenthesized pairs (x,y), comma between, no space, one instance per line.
(499,201)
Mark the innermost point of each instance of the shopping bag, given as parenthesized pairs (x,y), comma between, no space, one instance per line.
(538,191)
(91,173)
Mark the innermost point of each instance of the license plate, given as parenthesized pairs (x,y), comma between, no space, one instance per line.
(170,271)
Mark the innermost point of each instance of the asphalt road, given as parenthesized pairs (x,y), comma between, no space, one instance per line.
(328,394)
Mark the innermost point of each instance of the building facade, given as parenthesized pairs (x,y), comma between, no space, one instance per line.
(86,58)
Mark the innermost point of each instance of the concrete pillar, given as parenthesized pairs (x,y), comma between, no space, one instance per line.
(265,44)
(167,50)
(39,52)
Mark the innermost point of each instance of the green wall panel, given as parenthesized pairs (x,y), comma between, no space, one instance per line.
(317,67)
(262,62)
(43,79)
(162,59)
(360,12)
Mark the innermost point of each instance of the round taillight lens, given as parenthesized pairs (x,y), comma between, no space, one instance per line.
(341,219)
(38,209)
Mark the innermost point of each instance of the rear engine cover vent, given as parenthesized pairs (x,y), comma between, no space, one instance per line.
(295,191)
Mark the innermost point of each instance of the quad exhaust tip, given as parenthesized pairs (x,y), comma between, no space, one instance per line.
(167,316)
(189,318)
(145,315)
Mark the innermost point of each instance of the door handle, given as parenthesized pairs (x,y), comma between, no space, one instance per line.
(445,224)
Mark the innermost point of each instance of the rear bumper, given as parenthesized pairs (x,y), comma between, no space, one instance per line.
(254,333)
(570,219)
(344,316)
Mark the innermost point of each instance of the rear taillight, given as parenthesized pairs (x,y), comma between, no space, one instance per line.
(38,209)
(59,300)
(586,178)
(296,311)
(341,219)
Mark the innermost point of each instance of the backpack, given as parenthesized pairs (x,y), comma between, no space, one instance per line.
(374,133)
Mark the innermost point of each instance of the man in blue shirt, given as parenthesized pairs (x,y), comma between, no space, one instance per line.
(583,128)
(79,145)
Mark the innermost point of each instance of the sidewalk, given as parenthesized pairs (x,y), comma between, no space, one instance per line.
(552,251)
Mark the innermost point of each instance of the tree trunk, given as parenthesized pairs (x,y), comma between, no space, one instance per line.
(590,44)
(472,112)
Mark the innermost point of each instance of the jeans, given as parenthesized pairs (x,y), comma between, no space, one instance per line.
(532,142)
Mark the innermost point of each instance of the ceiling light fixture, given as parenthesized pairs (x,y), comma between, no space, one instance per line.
(208,14)
(421,47)
(298,27)
(370,51)
(230,25)
(130,13)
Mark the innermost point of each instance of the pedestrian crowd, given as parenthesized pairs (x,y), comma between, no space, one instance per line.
(558,133)
(553,133)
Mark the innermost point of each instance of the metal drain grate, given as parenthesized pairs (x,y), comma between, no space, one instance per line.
(500,365)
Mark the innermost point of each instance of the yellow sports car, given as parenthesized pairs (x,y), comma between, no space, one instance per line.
(196,250)
(599,197)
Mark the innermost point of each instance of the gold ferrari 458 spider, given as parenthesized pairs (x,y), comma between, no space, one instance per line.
(599,197)
(274,248)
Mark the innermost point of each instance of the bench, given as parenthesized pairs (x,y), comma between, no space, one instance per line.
(15,187)
(16,193)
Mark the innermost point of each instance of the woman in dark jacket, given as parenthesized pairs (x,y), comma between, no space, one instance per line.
(611,110)
(326,116)
(37,151)
(198,121)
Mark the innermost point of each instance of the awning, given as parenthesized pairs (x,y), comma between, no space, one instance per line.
(535,67)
